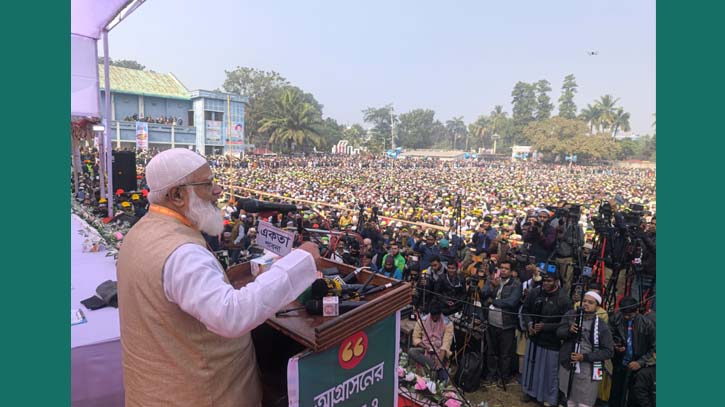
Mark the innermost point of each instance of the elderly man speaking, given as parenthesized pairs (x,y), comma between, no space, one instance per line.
(185,331)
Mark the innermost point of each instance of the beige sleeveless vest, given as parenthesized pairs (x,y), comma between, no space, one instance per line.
(169,357)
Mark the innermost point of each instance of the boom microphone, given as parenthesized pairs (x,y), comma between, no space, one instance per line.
(255,206)
(314,307)
(380,288)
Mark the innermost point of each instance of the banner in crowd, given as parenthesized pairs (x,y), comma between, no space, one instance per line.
(213,131)
(360,371)
(235,144)
(142,136)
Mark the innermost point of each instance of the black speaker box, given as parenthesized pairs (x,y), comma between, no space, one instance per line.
(124,170)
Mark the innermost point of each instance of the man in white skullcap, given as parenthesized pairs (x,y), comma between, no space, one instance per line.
(185,331)
(582,355)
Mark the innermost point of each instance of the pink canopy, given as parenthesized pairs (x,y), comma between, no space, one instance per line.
(88,20)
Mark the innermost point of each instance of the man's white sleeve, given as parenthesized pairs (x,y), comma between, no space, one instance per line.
(193,279)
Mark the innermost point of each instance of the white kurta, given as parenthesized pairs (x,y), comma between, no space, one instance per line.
(194,280)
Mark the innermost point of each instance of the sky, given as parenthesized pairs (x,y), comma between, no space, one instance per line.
(459,58)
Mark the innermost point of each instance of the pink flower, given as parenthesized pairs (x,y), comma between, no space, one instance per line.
(118,235)
(420,384)
(452,403)
(401,372)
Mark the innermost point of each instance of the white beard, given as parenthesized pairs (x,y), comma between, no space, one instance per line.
(205,215)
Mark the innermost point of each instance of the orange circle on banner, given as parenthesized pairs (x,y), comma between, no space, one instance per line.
(352,350)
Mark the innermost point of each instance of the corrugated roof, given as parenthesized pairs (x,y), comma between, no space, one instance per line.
(145,83)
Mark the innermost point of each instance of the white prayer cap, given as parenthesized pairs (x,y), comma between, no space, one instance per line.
(594,295)
(169,167)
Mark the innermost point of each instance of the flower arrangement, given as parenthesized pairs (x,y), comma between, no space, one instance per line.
(100,235)
(425,391)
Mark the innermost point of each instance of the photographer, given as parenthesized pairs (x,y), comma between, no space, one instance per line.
(634,359)
(569,237)
(541,235)
(503,291)
(485,235)
(451,288)
(646,280)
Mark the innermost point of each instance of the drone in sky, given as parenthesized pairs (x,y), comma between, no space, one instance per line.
(592,53)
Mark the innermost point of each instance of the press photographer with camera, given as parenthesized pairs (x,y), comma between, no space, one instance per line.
(646,280)
(541,235)
(451,289)
(485,235)
(503,293)
(569,238)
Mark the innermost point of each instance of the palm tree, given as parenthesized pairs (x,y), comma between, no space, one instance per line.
(293,121)
(621,121)
(498,116)
(607,111)
(479,128)
(591,115)
(455,127)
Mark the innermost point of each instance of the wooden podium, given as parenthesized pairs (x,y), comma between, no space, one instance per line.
(283,337)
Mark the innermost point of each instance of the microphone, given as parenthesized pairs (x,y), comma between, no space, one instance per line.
(314,307)
(380,288)
(325,287)
(255,206)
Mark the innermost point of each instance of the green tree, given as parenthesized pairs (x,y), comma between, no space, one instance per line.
(332,133)
(293,122)
(607,106)
(420,129)
(355,134)
(477,132)
(261,87)
(621,121)
(591,115)
(380,119)
(123,63)
(567,108)
(567,137)
(524,103)
(544,106)
(456,128)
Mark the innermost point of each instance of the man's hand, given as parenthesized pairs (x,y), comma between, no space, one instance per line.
(634,366)
(619,349)
(532,331)
(312,249)
(538,327)
(573,328)
(577,357)
(495,281)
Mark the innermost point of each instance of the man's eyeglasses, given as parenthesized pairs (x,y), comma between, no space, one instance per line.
(208,184)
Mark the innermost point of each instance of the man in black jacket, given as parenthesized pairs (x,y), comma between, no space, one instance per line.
(504,293)
(644,279)
(634,358)
(542,313)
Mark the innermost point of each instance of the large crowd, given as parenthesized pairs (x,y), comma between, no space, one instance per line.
(506,243)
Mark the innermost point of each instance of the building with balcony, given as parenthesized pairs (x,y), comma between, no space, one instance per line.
(206,121)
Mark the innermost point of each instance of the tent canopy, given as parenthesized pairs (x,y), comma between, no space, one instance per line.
(88,20)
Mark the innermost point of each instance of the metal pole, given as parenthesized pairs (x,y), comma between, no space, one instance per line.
(107,136)
(392,129)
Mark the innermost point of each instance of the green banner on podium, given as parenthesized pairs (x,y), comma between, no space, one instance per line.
(361,371)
